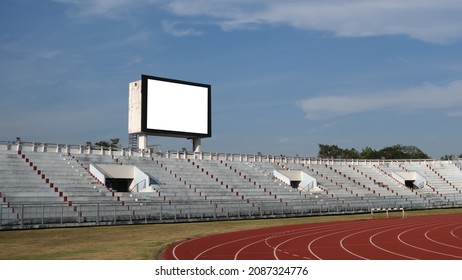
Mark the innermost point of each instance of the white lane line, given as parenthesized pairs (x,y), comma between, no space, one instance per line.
(227,243)
(421,248)
(311,232)
(178,245)
(453,233)
(210,248)
(415,225)
(277,235)
(311,244)
(247,246)
(355,233)
(438,242)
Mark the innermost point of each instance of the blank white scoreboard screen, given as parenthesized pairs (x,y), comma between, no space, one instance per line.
(176,108)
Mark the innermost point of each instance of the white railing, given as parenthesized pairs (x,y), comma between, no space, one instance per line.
(149,153)
(138,187)
(57,215)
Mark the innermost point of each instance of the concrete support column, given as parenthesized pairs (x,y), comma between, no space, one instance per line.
(142,141)
(197,145)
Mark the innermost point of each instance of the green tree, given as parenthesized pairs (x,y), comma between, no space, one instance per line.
(447,157)
(392,152)
(334,152)
(402,152)
(350,153)
(328,151)
(104,144)
(369,153)
(451,157)
(112,143)
(115,142)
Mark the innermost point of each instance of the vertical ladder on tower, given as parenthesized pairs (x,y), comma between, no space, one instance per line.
(133,141)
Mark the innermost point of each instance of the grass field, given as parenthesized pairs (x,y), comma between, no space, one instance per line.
(136,242)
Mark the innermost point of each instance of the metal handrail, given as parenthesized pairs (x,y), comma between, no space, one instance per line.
(79,214)
(136,187)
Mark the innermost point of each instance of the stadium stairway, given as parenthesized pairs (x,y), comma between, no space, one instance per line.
(429,191)
(261,174)
(216,192)
(396,193)
(78,188)
(437,176)
(419,198)
(176,195)
(28,194)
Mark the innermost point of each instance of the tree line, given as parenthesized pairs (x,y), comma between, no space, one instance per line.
(392,152)
(335,152)
(112,143)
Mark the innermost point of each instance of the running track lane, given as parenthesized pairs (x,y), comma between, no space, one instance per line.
(437,237)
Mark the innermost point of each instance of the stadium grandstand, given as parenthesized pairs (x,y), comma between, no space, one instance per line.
(55,185)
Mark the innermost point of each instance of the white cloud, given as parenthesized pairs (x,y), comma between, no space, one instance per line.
(95,8)
(426,20)
(49,54)
(426,97)
(106,8)
(173,29)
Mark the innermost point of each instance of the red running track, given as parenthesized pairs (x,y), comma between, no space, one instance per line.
(437,237)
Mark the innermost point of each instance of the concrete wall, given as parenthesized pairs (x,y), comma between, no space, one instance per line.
(140,181)
(134,107)
(97,173)
(284,178)
(307,182)
(419,179)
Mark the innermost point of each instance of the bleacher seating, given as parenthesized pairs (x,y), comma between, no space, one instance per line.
(53,186)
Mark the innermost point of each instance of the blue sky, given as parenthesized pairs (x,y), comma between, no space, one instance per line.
(285,75)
